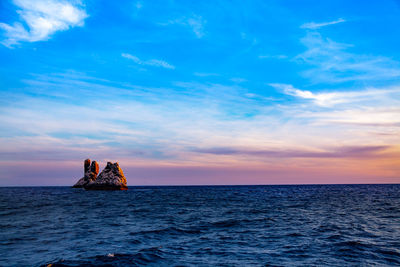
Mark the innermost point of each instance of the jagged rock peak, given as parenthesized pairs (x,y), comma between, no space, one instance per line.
(89,174)
(111,178)
(86,165)
(94,168)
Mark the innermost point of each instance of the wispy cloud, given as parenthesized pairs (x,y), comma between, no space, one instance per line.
(334,64)
(195,23)
(205,74)
(272,56)
(150,62)
(43,18)
(340,152)
(329,99)
(238,80)
(139,4)
(386,118)
(314,25)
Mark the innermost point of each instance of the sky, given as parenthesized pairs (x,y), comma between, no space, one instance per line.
(200,92)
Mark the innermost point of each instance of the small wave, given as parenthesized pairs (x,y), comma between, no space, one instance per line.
(226,223)
(353,244)
(10,213)
(15,240)
(297,253)
(327,228)
(389,252)
(351,247)
(143,257)
(334,237)
(115,224)
(390,255)
(294,234)
(235,222)
(168,230)
(135,242)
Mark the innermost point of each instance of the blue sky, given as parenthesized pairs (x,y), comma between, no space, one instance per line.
(210,92)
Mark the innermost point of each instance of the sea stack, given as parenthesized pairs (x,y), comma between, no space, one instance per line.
(111,178)
(90,172)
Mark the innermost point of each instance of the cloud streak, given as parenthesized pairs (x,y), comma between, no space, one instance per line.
(329,99)
(151,62)
(272,56)
(334,64)
(341,152)
(314,25)
(43,18)
(195,23)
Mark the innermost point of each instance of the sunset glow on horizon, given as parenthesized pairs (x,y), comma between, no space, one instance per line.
(184,93)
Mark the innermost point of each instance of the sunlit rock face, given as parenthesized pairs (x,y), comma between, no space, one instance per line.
(90,173)
(111,178)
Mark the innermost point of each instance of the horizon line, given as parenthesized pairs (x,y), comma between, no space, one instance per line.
(198,185)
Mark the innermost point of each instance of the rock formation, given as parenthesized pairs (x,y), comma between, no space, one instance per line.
(89,174)
(111,178)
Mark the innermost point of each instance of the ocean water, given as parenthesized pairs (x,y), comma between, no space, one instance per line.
(309,225)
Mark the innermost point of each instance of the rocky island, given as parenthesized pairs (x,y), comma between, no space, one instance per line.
(111,178)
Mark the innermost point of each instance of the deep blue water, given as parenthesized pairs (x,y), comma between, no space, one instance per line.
(329,225)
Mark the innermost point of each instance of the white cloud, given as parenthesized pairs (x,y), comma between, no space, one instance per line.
(328,99)
(334,64)
(195,23)
(313,25)
(238,80)
(272,56)
(139,4)
(205,74)
(387,117)
(43,18)
(151,62)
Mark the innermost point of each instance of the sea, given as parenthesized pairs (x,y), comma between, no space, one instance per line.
(288,225)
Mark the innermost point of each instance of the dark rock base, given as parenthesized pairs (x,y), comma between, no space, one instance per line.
(106,187)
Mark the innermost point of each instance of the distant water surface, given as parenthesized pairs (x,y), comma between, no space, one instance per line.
(329,225)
